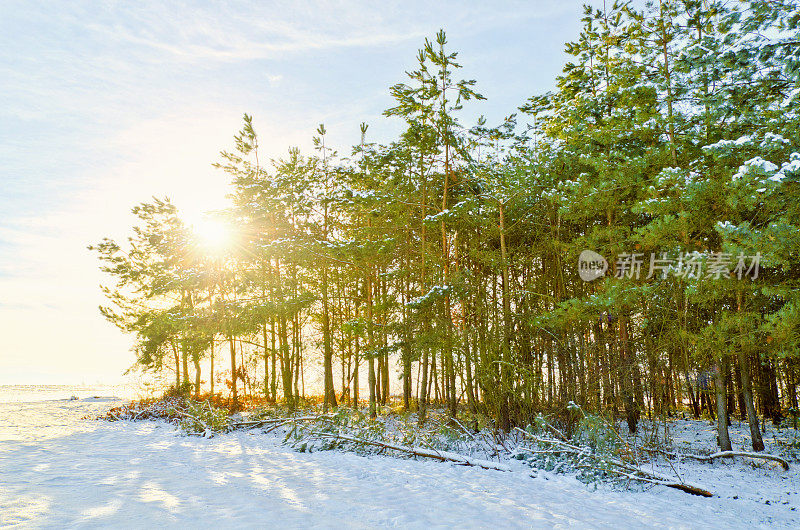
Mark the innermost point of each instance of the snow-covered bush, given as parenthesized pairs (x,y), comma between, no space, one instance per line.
(591,451)
(203,418)
(193,417)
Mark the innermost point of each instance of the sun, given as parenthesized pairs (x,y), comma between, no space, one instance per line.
(214,236)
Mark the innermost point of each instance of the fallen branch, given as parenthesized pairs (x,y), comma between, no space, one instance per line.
(624,469)
(261,423)
(572,448)
(463,428)
(444,456)
(207,431)
(661,480)
(555,431)
(724,454)
(657,478)
(549,452)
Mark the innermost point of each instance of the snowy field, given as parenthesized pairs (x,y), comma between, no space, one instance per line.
(59,470)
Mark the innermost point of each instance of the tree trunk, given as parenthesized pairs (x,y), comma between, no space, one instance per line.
(505,356)
(371,359)
(196,360)
(330,393)
(628,375)
(356,360)
(234,377)
(273,384)
(177,368)
(752,418)
(723,438)
(747,387)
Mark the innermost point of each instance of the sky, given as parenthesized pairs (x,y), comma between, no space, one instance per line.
(106,104)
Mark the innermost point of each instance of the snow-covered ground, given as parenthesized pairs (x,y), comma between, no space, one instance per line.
(60,470)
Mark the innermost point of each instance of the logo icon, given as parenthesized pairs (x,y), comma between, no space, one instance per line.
(591,265)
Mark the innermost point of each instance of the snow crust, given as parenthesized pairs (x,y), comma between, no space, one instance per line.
(58,469)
